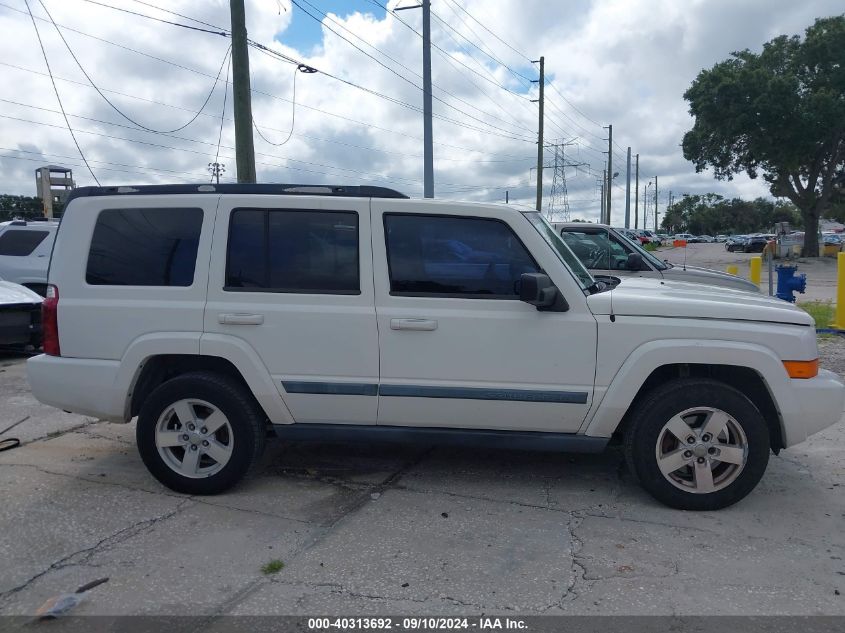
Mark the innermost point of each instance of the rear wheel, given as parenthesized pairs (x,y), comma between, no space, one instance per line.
(697,444)
(200,433)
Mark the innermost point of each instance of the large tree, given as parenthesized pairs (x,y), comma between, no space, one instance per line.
(779,114)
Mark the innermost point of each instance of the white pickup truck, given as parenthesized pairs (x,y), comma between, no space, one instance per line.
(216,313)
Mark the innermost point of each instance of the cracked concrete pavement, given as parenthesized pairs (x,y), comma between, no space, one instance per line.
(388,529)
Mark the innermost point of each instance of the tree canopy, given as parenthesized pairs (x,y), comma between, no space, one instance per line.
(711,214)
(779,114)
(19,207)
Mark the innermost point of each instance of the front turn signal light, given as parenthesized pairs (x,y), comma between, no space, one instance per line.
(802,368)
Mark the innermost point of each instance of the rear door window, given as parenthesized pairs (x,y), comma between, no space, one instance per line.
(20,242)
(144,247)
(292,250)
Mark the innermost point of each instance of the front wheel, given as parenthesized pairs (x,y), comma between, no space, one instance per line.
(697,444)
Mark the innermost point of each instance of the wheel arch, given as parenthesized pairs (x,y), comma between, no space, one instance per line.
(753,369)
(155,360)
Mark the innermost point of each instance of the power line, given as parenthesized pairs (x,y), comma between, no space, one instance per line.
(322,166)
(474,19)
(56,90)
(292,115)
(204,74)
(222,32)
(223,113)
(171,12)
(278,55)
(410,70)
(435,46)
(113,106)
(403,78)
(101,162)
(502,133)
(515,73)
(574,107)
(454,63)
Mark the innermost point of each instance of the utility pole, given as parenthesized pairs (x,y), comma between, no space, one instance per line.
(244,149)
(603,194)
(609,171)
(628,193)
(655,204)
(428,137)
(542,82)
(428,134)
(637,193)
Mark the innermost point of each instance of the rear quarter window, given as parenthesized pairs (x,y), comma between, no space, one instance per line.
(144,247)
(20,242)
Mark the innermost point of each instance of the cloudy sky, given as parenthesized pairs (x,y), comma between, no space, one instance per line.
(358,120)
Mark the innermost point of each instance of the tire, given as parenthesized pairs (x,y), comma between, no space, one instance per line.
(651,448)
(206,459)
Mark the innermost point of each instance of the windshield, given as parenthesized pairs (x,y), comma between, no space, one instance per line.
(651,259)
(560,248)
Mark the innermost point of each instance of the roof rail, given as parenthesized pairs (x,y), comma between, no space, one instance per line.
(357,191)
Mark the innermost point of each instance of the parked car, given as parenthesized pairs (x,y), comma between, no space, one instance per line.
(25,247)
(215,313)
(688,237)
(755,244)
(706,239)
(655,238)
(20,316)
(736,243)
(604,251)
(722,238)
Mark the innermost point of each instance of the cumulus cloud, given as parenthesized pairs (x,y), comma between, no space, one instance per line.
(626,63)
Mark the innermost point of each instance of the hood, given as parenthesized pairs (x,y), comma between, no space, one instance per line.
(697,274)
(11,293)
(639,296)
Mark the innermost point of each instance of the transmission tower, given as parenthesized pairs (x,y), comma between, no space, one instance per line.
(557,207)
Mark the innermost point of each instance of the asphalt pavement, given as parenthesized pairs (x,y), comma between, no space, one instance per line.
(333,529)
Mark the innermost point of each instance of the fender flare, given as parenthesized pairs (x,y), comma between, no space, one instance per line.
(253,370)
(611,403)
(230,348)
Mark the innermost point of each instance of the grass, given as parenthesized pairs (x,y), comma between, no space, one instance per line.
(273,567)
(821,311)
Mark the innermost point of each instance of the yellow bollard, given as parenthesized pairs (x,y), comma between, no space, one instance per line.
(839,318)
(733,269)
(756,268)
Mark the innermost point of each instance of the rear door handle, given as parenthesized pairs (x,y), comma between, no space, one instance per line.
(240,319)
(422,325)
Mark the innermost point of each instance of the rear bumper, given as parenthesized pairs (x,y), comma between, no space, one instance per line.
(819,403)
(78,385)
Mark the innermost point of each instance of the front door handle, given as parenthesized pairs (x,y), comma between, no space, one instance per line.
(422,325)
(240,319)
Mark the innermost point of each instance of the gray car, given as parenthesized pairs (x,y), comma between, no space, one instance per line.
(605,251)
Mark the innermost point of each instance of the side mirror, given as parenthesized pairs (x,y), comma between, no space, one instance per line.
(635,262)
(538,290)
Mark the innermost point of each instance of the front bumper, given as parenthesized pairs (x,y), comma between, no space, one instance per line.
(819,401)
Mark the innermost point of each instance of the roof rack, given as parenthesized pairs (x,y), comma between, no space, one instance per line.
(358,191)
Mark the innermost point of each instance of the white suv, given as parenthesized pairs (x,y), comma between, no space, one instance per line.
(216,313)
(25,247)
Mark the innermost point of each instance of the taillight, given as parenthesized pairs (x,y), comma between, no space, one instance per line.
(50,321)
